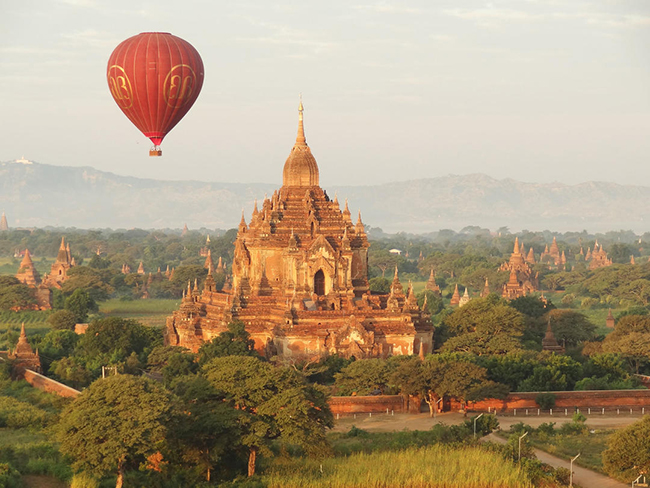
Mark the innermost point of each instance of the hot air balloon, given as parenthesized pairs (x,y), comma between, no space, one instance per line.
(155,78)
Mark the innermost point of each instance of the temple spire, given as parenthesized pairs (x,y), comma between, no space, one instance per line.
(300,138)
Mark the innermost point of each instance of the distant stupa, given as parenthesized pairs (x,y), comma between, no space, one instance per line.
(3,222)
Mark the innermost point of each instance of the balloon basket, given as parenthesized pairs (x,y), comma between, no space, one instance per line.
(155,151)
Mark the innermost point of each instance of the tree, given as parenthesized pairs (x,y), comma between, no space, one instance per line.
(89,433)
(631,338)
(81,304)
(273,402)
(484,326)
(555,373)
(628,452)
(70,371)
(379,284)
(435,304)
(93,281)
(62,320)
(383,259)
(236,341)
(208,429)
(637,291)
(115,335)
(571,327)
(364,377)
(531,306)
(14,295)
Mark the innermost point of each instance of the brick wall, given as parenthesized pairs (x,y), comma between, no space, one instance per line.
(563,399)
(48,384)
(367,404)
(567,399)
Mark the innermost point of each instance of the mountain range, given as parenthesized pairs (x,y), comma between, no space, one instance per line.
(38,195)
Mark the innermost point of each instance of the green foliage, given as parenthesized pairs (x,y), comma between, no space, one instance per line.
(89,434)
(631,339)
(486,424)
(80,303)
(84,480)
(272,402)
(555,373)
(484,326)
(365,377)
(570,327)
(325,369)
(17,414)
(207,430)
(531,306)
(379,284)
(628,452)
(545,401)
(435,303)
(62,320)
(14,295)
(71,371)
(236,341)
(9,477)
(106,336)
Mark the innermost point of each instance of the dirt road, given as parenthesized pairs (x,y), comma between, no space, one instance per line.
(387,423)
(581,476)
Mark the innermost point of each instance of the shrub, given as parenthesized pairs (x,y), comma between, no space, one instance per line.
(356,432)
(83,480)
(484,425)
(9,477)
(546,401)
(17,414)
(562,476)
(547,428)
(578,418)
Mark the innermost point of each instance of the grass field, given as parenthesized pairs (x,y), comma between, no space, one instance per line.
(590,447)
(152,312)
(431,467)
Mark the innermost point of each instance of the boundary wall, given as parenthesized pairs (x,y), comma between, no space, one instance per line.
(608,399)
(367,404)
(49,385)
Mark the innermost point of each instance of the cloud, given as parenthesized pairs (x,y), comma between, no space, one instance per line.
(490,16)
(386,8)
(91,38)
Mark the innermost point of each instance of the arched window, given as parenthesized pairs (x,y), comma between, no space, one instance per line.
(319,283)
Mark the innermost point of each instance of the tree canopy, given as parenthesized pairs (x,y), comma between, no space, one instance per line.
(114,425)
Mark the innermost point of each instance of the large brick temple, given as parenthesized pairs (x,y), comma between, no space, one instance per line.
(300,281)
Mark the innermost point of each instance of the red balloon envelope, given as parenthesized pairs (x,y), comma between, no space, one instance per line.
(155,78)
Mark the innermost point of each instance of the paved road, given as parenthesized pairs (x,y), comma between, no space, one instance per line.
(581,476)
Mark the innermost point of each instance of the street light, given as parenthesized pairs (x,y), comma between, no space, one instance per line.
(571,477)
(525,434)
(475,419)
(435,408)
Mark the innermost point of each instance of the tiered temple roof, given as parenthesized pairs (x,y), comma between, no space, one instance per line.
(598,258)
(549,343)
(27,273)
(23,356)
(521,274)
(300,280)
(59,271)
(431,284)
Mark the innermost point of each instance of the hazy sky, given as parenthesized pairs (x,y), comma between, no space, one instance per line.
(536,90)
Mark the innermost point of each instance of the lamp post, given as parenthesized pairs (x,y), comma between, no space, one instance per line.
(520,438)
(571,476)
(475,419)
(435,408)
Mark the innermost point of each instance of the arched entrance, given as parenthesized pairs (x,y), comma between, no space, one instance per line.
(319,283)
